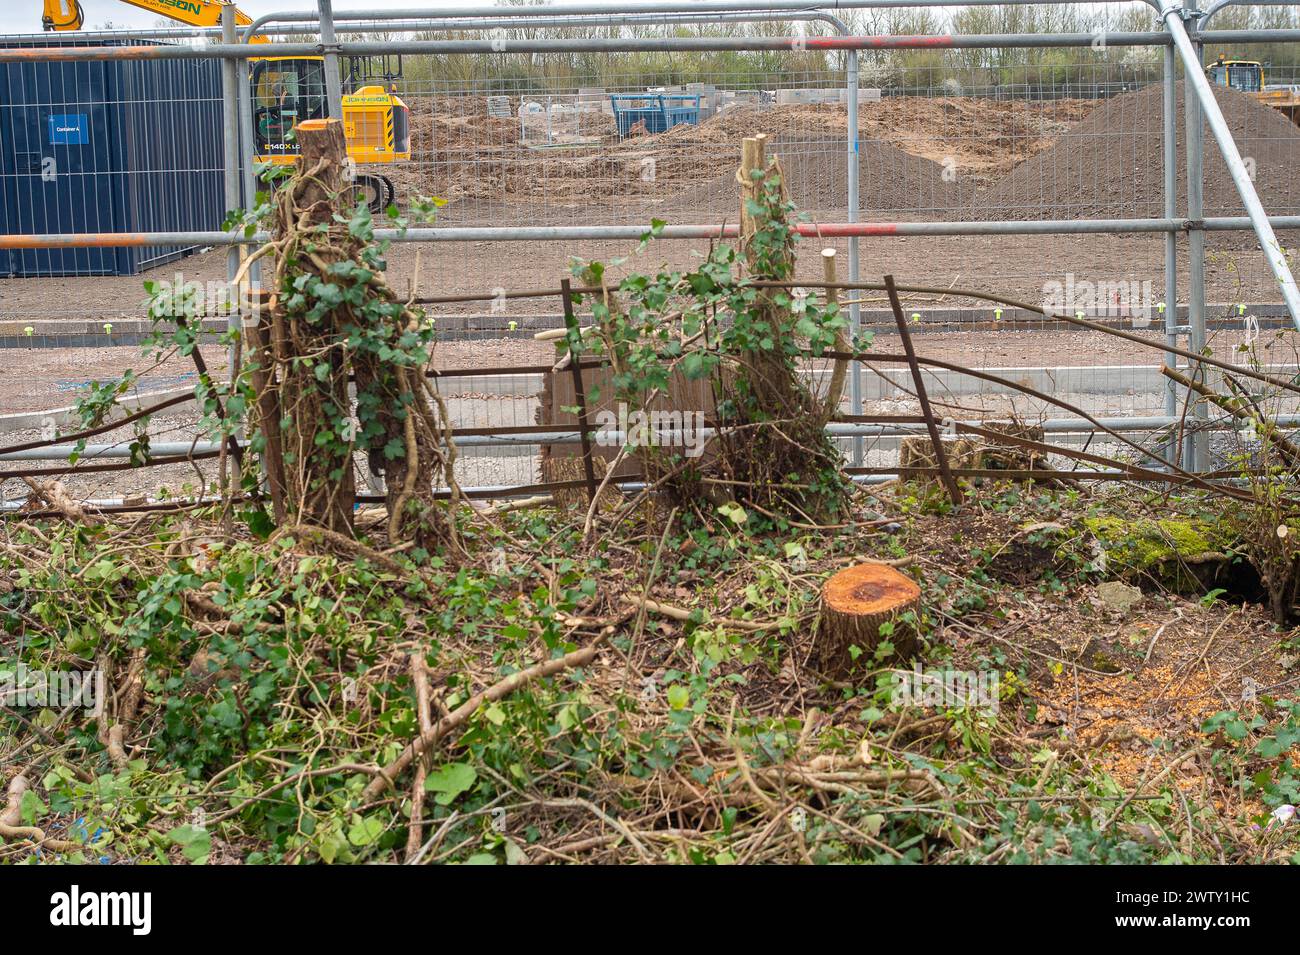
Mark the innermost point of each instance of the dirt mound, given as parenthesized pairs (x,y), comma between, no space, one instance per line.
(920,157)
(889,181)
(984,138)
(478,163)
(1110,165)
(981,136)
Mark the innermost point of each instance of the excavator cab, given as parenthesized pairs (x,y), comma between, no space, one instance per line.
(1244,75)
(1248,76)
(290,90)
(286,92)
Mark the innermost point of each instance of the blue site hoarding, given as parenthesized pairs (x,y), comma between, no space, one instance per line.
(121,146)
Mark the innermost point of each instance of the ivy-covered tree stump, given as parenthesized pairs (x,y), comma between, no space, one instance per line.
(780,444)
(334,317)
(863,606)
(312,371)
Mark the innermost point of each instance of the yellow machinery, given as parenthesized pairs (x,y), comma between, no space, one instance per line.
(62,15)
(1248,76)
(287,90)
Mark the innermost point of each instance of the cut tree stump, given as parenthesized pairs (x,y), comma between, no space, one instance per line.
(1009,456)
(557,468)
(856,604)
(917,460)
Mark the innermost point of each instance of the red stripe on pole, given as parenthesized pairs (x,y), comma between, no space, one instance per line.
(877,42)
(834,230)
(100,240)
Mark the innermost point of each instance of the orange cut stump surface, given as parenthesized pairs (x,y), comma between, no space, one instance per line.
(867,589)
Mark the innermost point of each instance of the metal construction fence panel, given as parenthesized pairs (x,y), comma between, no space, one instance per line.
(1052,170)
(119,146)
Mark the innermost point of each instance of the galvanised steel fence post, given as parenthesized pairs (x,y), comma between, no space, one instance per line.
(855,309)
(231,160)
(1170,156)
(248,148)
(1194,132)
(333,79)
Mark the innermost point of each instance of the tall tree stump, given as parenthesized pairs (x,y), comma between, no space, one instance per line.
(334,317)
(319,480)
(858,604)
(780,439)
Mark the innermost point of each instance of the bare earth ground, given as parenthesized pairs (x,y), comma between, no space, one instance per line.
(1175,661)
(1015,266)
(45,378)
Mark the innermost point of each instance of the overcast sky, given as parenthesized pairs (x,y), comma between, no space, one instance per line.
(24,16)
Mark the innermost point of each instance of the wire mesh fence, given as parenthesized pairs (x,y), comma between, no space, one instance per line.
(959,136)
(102,147)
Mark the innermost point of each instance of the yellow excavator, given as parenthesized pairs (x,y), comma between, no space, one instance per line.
(288,90)
(1248,77)
(62,15)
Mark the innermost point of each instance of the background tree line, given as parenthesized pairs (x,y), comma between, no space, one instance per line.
(970,71)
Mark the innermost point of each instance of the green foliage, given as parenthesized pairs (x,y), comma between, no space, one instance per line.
(261,721)
(1256,752)
(718,322)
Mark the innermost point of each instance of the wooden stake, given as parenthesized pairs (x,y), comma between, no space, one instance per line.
(940,455)
(753,157)
(835,391)
(579,392)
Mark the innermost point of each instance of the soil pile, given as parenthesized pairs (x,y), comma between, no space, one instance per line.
(1109,165)
(920,157)
(984,138)
(889,181)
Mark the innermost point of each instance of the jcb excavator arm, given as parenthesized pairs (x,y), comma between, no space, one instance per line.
(67,14)
(198,13)
(62,15)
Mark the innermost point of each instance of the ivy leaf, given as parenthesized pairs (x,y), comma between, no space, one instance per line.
(450,781)
(365,830)
(195,842)
(260,524)
(733,512)
(31,808)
